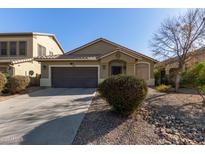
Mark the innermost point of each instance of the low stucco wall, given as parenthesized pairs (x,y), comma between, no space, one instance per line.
(24,68)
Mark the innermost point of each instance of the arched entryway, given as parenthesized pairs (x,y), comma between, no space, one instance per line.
(117,67)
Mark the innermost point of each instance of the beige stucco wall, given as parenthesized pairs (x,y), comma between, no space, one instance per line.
(24,68)
(28,39)
(46,41)
(100,47)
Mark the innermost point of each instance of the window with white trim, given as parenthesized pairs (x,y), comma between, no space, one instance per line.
(41,50)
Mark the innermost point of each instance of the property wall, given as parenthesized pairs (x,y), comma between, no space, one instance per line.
(28,39)
(100,47)
(24,68)
(46,41)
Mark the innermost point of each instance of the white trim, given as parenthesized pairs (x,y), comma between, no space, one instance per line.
(98,66)
(148,65)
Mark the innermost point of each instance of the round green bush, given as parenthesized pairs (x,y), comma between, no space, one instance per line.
(124,93)
(19,83)
(3,81)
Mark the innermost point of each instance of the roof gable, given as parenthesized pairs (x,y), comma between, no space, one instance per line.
(98,46)
(95,47)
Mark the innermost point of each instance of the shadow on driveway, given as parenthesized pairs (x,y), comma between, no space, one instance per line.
(59,131)
(62,131)
(62,92)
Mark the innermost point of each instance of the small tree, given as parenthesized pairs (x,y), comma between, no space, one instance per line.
(157,76)
(178,37)
(195,78)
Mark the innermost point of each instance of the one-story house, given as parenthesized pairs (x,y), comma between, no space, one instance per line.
(93,62)
(169,67)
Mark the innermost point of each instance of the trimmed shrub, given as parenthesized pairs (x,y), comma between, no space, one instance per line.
(7,87)
(19,83)
(163,88)
(3,81)
(124,93)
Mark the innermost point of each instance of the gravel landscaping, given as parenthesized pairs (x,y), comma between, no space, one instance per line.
(163,119)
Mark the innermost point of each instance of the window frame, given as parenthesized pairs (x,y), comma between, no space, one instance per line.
(5,48)
(10,48)
(41,50)
(19,48)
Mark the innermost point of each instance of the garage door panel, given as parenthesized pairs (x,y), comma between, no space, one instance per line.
(74,77)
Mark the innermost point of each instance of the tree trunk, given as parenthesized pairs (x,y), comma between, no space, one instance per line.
(178,77)
(177,82)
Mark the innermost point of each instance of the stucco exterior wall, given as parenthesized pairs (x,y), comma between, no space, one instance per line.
(46,41)
(24,68)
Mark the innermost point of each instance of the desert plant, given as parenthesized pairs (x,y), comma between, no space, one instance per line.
(124,93)
(163,88)
(3,81)
(194,77)
(19,83)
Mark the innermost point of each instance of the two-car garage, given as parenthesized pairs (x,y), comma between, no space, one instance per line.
(74,77)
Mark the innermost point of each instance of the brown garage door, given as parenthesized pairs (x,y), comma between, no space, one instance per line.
(74,77)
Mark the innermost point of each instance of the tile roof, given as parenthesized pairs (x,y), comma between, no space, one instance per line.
(15,61)
(69,57)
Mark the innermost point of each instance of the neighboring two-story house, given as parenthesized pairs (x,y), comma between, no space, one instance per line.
(18,50)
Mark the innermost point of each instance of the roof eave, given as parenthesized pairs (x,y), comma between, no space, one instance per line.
(41,60)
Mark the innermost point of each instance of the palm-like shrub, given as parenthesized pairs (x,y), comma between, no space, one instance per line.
(124,93)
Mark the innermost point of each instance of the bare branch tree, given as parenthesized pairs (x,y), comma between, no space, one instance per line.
(178,36)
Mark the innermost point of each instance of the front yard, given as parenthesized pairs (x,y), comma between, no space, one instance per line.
(7,96)
(164,119)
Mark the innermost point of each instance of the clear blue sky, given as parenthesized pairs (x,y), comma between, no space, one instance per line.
(132,28)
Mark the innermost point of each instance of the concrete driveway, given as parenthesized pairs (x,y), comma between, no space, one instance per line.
(48,116)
